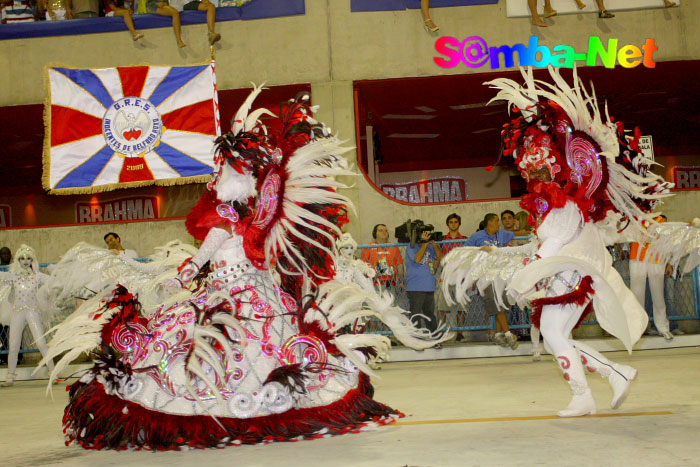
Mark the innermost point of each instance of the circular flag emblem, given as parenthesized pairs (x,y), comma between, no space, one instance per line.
(132,126)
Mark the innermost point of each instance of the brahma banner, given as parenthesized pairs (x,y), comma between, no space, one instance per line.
(5,215)
(434,190)
(687,177)
(129,126)
(122,209)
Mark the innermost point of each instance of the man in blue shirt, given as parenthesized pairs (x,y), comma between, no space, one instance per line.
(422,261)
(494,236)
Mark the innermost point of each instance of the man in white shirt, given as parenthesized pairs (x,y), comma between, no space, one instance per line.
(114,244)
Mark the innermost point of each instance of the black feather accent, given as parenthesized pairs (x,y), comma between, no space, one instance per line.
(246,150)
(294,376)
(291,377)
(368,352)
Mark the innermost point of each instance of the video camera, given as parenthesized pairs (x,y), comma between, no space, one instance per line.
(412,232)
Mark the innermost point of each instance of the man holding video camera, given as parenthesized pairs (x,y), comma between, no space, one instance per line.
(422,260)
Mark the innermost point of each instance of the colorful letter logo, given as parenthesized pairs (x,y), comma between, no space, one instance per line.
(474,53)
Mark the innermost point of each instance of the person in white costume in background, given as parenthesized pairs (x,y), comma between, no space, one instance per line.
(642,268)
(351,270)
(21,305)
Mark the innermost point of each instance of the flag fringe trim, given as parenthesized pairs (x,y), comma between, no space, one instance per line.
(116,186)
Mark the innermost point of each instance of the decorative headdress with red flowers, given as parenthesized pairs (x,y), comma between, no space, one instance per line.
(566,149)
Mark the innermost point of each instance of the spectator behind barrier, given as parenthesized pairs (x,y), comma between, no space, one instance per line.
(386,261)
(522,228)
(203,5)
(427,20)
(602,13)
(161,7)
(57,10)
(494,236)
(422,260)
(508,220)
(86,8)
(548,12)
(454,222)
(119,8)
(114,243)
(17,11)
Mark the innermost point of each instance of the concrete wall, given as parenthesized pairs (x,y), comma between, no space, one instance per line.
(52,242)
(330,47)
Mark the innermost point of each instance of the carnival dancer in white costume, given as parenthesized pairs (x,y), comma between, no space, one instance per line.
(642,268)
(578,166)
(21,305)
(350,270)
(241,358)
(655,251)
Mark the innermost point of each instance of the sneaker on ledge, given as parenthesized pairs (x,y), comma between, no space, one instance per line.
(511,340)
(499,339)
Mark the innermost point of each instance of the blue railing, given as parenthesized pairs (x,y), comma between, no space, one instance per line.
(682,300)
(682,297)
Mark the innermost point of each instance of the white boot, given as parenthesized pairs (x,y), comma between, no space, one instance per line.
(582,402)
(10,380)
(536,348)
(619,376)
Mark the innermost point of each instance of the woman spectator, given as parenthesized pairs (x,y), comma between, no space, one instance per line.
(427,20)
(117,8)
(454,222)
(602,13)
(548,12)
(57,10)
(210,8)
(160,7)
(522,228)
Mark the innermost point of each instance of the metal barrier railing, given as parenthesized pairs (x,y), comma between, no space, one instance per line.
(682,296)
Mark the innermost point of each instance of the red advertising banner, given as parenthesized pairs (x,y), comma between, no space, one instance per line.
(5,215)
(433,190)
(686,177)
(122,209)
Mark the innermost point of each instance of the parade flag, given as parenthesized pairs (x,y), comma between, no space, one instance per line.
(119,127)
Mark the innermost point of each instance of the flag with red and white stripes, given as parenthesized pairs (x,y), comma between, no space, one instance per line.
(129,126)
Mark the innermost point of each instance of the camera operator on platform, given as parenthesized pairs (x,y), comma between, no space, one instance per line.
(422,260)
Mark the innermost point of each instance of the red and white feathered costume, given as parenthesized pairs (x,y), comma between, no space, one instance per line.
(579,166)
(238,356)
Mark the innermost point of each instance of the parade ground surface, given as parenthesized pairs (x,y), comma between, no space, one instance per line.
(480,411)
